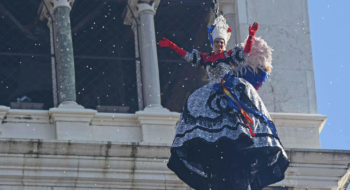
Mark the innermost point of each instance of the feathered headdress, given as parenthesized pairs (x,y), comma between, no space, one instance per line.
(220,29)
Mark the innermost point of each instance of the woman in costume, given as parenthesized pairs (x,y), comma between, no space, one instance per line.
(225,138)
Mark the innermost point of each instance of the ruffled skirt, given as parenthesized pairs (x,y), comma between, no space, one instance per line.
(214,149)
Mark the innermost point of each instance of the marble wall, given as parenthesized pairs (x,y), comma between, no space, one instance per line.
(284,24)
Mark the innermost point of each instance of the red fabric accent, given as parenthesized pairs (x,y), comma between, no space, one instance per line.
(250,129)
(248,45)
(167,43)
(229,29)
(250,40)
(258,86)
(214,57)
(229,51)
(204,55)
(247,120)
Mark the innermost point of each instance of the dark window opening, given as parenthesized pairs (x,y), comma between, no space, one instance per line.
(104,56)
(186,24)
(25,66)
(104,53)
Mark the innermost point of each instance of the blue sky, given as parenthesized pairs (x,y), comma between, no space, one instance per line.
(330,37)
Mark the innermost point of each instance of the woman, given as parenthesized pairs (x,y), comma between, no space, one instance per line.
(225,138)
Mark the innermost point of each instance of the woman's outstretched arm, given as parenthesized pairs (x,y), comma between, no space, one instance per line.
(257,62)
(250,40)
(194,57)
(169,44)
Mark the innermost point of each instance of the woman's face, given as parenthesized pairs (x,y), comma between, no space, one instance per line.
(219,45)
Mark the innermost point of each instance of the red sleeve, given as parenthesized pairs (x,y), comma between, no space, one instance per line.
(249,44)
(204,57)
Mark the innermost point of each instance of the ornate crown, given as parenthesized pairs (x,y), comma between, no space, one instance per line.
(220,29)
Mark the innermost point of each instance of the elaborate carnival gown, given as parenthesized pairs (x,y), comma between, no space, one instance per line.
(225,138)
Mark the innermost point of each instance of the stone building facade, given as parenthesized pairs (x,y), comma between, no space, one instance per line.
(72,147)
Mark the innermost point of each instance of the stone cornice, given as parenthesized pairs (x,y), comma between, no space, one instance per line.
(71,115)
(157,124)
(296,130)
(88,164)
(3,112)
(113,119)
(83,148)
(297,156)
(301,119)
(299,130)
(27,116)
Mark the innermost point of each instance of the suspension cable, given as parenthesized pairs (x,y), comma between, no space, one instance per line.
(215,7)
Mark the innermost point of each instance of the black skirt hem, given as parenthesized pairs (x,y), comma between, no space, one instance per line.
(228,164)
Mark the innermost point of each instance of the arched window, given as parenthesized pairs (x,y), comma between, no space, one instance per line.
(104,56)
(25,69)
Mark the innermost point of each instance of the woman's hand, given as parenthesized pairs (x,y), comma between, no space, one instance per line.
(249,42)
(253,29)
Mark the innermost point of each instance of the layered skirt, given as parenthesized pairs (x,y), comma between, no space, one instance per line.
(216,148)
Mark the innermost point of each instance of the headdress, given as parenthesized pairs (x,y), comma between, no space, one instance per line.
(220,29)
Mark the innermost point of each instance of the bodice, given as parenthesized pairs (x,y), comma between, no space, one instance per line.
(216,73)
(235,62)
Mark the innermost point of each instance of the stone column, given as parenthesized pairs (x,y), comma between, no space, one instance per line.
(53,63)
(157,123)
(71,121)
(64,52)
(135,29)
(58,11)
(150,71)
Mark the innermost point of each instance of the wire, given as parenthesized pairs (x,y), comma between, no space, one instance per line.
(215,7)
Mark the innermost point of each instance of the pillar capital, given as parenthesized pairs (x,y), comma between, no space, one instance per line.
(48,7)
(53,4)
(145,8)
(135,7)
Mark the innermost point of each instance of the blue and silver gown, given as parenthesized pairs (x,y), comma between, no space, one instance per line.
(213,146)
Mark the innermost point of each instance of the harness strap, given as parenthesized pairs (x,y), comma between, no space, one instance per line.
(235,103)
(246,118)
